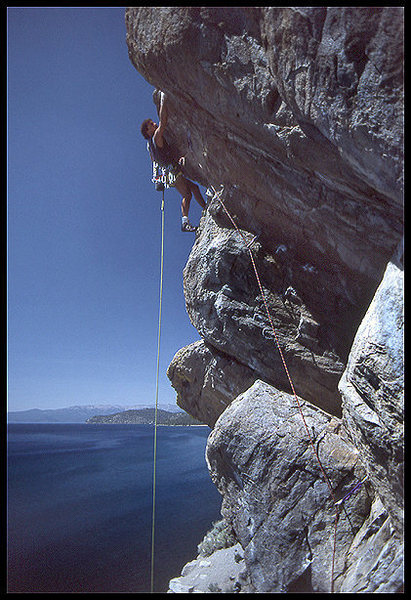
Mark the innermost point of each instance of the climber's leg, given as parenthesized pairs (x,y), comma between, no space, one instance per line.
(183,187)
(197,194)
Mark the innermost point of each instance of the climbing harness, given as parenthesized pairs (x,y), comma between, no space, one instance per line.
(337,504)
(156,397)
(163,176)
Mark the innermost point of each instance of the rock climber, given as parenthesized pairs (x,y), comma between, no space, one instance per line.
(165,156)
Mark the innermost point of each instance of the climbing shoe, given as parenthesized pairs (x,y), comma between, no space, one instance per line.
(188,227)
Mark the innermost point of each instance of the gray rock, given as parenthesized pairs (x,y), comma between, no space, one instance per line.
(298,113)
(342,74)
(281,508)
(305,132)
(307,129)
(376,556)
(372,389)
(223,571)
(225,304)
(206,380)
(277,498)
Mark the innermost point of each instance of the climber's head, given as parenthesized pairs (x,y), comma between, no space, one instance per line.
(148,128)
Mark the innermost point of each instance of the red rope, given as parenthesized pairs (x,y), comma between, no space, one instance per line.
(267,310)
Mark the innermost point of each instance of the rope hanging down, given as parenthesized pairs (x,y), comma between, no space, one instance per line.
(267,310)
(160,179)
(156,400)
(217,195)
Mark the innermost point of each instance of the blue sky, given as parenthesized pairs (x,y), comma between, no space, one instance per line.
(84,220)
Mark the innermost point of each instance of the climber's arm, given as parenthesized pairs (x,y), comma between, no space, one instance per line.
(163,114)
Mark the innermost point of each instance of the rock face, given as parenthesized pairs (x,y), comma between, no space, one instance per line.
(207,380)
(277,498)
(294,114)
(372,389)
(222,572)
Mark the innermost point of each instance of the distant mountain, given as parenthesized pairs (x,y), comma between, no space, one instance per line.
(74,414)
(146,416)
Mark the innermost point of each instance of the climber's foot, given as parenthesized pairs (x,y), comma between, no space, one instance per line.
(188,227)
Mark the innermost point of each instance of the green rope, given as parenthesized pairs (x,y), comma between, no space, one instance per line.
(156,405)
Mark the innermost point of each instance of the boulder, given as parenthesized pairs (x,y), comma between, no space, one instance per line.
(372,389)
(206,380)
(279,497)
(225,304)
(223,571)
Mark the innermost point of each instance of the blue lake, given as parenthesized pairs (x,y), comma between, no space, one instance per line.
(80,506)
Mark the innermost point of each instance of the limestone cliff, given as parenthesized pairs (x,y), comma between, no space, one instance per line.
(298,113)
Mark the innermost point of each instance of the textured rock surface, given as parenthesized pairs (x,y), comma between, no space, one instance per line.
(279,504)
(305,133)
(226,306)
(298,113)
(373,389)
(206,380)
(275,495)
(375,560)
(223,571)
(342,73)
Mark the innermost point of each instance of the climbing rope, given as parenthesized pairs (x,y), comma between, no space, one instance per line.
(267,310)
(159,178)
(217,195)
(156,400)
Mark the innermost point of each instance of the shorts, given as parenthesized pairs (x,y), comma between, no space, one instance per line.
(169,175)
(166,175)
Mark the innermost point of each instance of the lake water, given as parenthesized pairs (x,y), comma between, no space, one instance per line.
(80,505)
